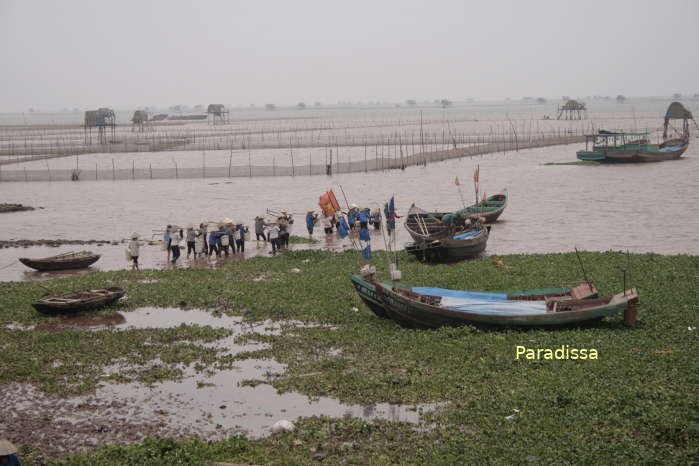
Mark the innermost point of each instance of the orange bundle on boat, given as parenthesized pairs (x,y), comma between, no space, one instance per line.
(328,203)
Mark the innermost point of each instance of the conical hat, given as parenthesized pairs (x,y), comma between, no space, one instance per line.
(6,448)
(227,221)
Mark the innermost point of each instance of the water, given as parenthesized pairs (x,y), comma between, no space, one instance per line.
(639,207)
(213,406)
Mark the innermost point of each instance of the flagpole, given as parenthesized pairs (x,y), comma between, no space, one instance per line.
(461,195)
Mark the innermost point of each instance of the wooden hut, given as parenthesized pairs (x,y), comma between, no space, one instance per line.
(572,110)
(217,114)
(140,120)
(104,120)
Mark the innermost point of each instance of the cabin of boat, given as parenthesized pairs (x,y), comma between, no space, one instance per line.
(610,146)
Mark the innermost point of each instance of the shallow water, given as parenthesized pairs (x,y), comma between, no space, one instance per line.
(639,207)
(212,406)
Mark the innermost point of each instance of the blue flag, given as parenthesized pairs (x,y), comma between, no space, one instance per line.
(389,210)
(366,252)
(364,234)
(342,227)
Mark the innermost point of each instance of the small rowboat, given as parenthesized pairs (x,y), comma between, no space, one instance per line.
(69,260)
(366,289)
(436,307)
(79,300)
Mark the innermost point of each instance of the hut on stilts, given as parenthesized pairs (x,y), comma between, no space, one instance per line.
(572,110)
(217,114)
(140,121)
(104,120)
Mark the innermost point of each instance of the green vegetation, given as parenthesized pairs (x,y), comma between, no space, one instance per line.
(294,239)
(636,404)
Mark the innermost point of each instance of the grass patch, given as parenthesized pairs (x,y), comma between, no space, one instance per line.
(294,239)
(633,405)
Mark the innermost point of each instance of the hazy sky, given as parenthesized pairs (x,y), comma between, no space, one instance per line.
(123,54)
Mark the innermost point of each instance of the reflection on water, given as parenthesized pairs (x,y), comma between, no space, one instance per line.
(211,405)
(640,207)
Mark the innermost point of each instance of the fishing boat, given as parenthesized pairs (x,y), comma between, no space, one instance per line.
(489,208)
(366,290)
(465,244)
(69,260)
(426,307)
(79,300)
(618,147)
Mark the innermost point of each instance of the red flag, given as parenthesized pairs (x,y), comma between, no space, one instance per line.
(328,203)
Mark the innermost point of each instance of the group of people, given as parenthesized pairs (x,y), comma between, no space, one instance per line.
(228,237)
(356,218)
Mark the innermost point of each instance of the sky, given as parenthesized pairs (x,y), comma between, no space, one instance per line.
(126,54)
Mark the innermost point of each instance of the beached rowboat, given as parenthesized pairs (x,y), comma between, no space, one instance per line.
(69,260)
(79,300)
(435,307)
(366,290)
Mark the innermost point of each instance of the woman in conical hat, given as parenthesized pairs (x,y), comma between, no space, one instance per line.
(8,453)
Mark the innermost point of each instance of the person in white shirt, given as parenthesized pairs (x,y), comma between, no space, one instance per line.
(273,234)
(175,238)
(133,250)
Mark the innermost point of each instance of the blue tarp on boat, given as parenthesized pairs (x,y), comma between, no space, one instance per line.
(482,302)
(468,234)
(671,148)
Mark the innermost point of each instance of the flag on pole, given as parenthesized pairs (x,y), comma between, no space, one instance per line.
(456,181)
(389,210)
(342,227)
(328,203)
(476,174)
(366,249)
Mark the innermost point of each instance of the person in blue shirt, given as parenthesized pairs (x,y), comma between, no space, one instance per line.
(215,241)
(311,219)
(352,216)
(363,216)
(240,238)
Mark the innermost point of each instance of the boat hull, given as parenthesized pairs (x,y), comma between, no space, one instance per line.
(631,155)
(366,289)
(79,301)
(413,314)
(449,249)
(49,264)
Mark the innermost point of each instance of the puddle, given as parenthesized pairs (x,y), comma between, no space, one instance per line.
(211,404)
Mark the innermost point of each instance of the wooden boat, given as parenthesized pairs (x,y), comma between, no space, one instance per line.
(366,290)
(434,307)
(489,209)
(79,300)
(619,147)
(463,245)
(69,260)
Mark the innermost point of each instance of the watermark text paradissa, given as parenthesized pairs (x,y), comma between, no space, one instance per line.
(560,352)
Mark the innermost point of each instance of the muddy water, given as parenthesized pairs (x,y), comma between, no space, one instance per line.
(640,207)
(211,406)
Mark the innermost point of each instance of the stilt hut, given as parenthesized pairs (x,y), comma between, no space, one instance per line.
(572,110)
(217,114)
(140,120)
(104,120)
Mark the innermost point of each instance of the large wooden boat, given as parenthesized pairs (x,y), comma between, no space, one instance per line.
(620,147)
(434,307)
(79,300)
(366,290)
(69,260)
(463,245)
